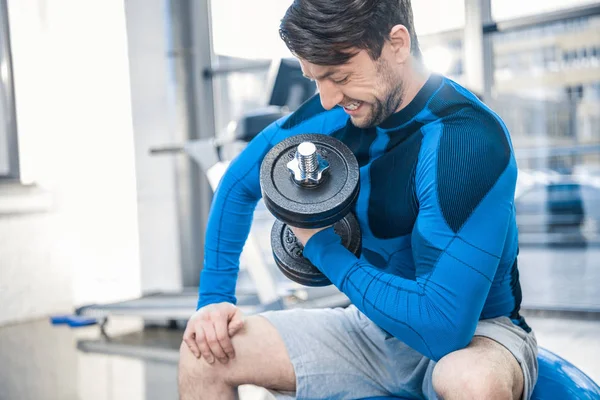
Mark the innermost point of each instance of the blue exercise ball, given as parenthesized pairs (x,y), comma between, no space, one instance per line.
(559,379)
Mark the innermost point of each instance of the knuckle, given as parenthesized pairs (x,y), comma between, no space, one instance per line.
(204,316)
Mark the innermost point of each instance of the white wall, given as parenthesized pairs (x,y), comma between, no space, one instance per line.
(72,91)
(35,275)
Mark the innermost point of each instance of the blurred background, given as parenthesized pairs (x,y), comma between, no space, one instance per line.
(117,118)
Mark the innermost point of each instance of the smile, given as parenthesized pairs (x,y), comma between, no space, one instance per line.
(353,108)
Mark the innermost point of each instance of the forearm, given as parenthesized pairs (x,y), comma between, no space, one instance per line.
(229,223)
(228,227)
(432,317)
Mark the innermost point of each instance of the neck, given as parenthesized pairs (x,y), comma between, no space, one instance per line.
(415,77)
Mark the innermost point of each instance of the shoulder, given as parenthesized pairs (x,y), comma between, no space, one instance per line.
(466,151)
(461,126)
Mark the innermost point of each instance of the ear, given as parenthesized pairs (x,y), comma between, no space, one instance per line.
(400,43)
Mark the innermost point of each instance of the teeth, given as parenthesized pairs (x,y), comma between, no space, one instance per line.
(353,106)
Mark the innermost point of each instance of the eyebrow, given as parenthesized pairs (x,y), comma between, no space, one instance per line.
(324,76)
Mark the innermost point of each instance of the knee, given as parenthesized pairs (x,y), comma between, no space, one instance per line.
(195,370)
(455,377)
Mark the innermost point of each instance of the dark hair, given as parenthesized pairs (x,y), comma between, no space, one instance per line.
(329,32)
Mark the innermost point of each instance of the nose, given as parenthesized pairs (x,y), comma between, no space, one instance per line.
(330,94)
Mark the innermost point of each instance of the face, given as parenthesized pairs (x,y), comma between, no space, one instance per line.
(369,91)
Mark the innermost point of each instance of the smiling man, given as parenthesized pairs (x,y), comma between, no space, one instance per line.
(435,294)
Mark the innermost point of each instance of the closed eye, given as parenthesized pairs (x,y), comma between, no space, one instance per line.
(341,81)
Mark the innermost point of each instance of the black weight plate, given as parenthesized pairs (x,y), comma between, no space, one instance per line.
(317,206)
(287,251)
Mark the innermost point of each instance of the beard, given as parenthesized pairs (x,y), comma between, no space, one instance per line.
(388,103)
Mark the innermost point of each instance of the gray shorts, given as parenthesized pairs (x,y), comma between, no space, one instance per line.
(341,354)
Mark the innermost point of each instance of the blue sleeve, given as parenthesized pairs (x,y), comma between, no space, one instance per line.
(230,219)
(465,182)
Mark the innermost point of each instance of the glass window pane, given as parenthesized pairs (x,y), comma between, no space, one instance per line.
(448,15)
(5,105)
(508,9)
(248,29)
(4,153)
(237,93)
(547,90)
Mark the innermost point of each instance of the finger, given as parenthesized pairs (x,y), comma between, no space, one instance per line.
(202,344)
(236,323)
(189,339)
(213,343)
(235,327)
(223,338)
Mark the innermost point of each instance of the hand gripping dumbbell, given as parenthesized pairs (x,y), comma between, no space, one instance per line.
(309,181)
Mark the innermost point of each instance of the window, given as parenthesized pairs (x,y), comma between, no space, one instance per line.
(508,9)
(9,163)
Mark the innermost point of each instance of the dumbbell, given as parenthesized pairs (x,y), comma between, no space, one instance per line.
(309,181)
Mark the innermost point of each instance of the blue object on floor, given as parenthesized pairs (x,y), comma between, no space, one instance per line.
(558,379)
(74,321)
(60,319)
(77,321)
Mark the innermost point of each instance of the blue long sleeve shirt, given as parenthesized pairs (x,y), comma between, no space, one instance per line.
(436,212)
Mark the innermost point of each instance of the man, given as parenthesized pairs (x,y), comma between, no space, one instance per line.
(436,292)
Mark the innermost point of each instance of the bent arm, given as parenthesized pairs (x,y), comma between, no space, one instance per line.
(457,242)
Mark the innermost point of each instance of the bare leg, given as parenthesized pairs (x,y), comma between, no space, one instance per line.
(261,359)
(483,370)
